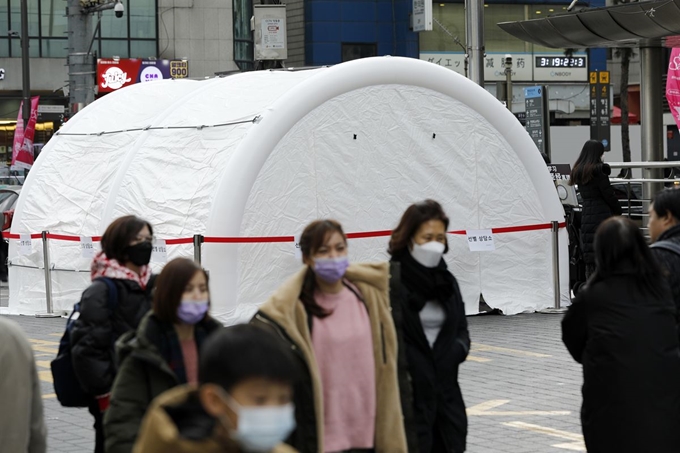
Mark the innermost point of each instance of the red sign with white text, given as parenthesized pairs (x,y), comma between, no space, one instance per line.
(115,74)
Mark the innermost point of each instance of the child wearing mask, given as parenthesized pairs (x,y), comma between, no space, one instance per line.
(243,403)
(164,351)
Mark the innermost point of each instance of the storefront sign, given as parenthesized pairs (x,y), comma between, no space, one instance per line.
(526,67)
(115,74)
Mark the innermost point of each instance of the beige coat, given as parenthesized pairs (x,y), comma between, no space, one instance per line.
(159,434)
(22,426)
(372,280)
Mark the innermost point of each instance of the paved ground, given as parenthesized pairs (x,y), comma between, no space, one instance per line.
(521,388)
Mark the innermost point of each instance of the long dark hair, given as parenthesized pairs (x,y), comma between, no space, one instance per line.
(313,237)
(620,248)
(589,162)
(416,215)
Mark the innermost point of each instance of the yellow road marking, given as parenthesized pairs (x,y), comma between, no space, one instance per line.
(43,363)
(44,346)
(45,376)
(472,358)
(476,347)
(576,443)
(48,396)
(485,409)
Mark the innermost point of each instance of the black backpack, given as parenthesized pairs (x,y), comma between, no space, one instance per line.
(66,384)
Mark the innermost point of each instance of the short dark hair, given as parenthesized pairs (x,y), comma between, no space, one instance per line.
(621,248)
(413,218)
(668,200)
(312,238)
(119,234)
(234,354)
(170,286)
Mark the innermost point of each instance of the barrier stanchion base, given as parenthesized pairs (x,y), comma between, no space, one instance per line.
(48,315)
(553,311)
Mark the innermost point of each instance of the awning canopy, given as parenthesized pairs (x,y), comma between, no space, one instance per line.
(630,25)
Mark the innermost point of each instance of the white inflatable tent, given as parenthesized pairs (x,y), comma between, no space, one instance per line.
(263,153)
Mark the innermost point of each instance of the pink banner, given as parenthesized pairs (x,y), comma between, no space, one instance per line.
(22,148)
(673,85)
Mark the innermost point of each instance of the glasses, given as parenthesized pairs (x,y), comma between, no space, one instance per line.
(142,238)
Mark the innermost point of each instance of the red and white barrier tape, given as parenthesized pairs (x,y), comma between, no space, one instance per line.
(272,239)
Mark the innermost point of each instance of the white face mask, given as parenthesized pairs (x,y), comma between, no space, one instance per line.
(260,429)
(428,254)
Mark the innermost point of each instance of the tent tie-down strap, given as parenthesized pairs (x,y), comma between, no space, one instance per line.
(271,239)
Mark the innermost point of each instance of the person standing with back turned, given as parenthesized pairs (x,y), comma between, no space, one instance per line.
(599,201)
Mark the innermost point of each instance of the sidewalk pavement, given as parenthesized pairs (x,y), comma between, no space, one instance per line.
(520,385)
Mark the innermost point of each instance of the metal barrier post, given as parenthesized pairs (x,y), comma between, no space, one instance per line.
(555,229)
(48,272)
(198,240)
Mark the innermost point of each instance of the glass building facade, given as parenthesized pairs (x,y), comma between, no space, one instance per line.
(135,35)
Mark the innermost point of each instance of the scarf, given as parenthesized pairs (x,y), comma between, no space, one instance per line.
(168,344)
(424,284)
(104,267)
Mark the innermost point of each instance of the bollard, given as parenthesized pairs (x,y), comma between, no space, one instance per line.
(48,272)
(198,240)
(555,229)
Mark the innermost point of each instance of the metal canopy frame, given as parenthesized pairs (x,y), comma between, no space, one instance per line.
(630,25)
(648,25)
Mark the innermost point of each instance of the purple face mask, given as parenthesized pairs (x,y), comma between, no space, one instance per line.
(191,312)
(331,269)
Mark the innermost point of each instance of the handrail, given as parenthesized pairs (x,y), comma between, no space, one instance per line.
(668,164)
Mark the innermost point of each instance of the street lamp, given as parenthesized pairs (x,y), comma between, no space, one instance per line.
(507,62)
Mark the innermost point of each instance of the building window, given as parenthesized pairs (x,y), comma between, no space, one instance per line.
(135,35)
(354,51)
(243,36)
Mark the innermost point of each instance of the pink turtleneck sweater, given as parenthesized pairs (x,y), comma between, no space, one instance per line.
(343,346)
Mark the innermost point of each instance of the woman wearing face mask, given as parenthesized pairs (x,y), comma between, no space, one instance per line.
(336,319)
(433,325)
(126,252)
(163,353)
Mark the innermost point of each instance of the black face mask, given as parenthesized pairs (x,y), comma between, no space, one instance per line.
(140,254)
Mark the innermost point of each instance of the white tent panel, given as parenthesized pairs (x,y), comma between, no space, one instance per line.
(421,131)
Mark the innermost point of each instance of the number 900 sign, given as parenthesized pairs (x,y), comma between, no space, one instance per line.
(179,69)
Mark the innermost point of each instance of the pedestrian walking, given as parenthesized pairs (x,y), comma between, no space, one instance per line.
(434,327)
(336,317)
(22,424)
(243,403)
(622,328)
(126,252)
(164,351)
(664,230)
(599,201)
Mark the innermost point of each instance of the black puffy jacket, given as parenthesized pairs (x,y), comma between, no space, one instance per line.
(97,329)
(599,203)
(626,339)
(670,261)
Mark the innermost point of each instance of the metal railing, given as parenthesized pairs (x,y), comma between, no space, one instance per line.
(649,186)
